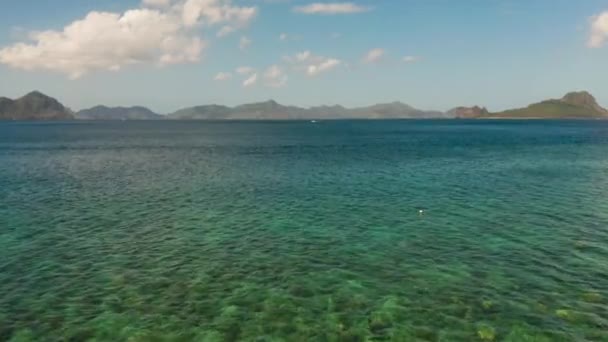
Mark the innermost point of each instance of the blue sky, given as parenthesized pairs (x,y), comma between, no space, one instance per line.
(432,54)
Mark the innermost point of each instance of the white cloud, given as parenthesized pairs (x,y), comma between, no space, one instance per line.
(111,41)
(335,35)
(374,56)
(217,12)
(599,30)
(245,70)
(331,8)
(275,77)
(251,81)
(411,59)
(244,43)
(106,41)
(283,37)
(222,76)
(324,66)
(304,56)
(313,65)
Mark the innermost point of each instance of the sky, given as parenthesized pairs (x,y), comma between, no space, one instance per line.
(431,54)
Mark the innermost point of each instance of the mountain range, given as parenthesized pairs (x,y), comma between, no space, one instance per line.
(572,106)
(37,106)
(271,110)
(117,113)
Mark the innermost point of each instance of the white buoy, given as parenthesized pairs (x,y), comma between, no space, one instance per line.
(420,212)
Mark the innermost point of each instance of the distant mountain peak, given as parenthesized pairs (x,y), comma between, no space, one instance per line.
(583,99)
(35,93)
(100,107)
(38,97)
(101,112)
(577,104)
(33,106)
(578,94)
(468,112)
(268,104)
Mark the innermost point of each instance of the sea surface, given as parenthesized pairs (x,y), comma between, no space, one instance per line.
(448,230)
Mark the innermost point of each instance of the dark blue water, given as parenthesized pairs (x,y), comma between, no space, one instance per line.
(293,231)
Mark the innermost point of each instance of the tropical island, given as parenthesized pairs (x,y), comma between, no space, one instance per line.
(38,106)
(572,106)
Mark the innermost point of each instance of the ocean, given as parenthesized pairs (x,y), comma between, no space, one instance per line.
(421,230)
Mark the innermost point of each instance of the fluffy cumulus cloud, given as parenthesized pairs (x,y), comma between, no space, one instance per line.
(251,80)
(313,65)
(217,12)
(331,8)
(222,76)
(161,32)
(599,30)
(374,56)
(275,77)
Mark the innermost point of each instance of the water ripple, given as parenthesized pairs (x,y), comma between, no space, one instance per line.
(297,232)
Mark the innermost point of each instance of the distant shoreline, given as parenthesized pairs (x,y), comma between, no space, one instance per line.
(318,120)
(38,106)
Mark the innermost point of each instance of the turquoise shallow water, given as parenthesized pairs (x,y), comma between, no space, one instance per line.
(191,231)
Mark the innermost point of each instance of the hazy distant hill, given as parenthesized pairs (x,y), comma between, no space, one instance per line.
(573,105)
(117,113)
(468,112)
(336,112)
(33,106)
(395,110)
(208,112)
(271,110)
(37,106)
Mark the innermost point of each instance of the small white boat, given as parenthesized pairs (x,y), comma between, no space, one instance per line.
(313,121)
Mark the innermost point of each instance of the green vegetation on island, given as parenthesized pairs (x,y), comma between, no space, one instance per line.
(37,106)
(572,106)
(33,106)
(117,113)
(271,110)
